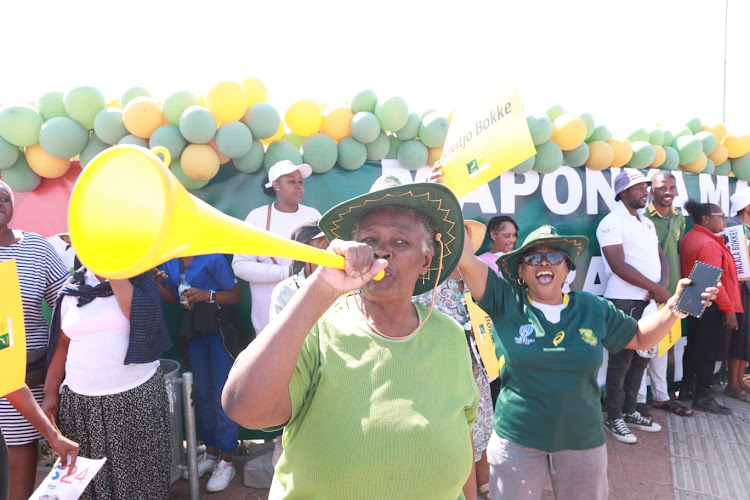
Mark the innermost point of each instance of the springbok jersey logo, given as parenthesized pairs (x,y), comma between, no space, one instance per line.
(588,336)
(524,332)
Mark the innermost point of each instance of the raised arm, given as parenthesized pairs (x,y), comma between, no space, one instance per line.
(473,270)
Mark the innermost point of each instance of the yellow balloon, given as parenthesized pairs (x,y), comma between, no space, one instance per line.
(141,116)
(568,131)
(720,131)
(256,90)
(623,152)
(434,154)
(114,103)
(719,154)
(337,123)
(200,162)
(737,145)
(275,137)
(44,163)
(227,101)
(601,155)
(697,166)
(304,117)
(659,158)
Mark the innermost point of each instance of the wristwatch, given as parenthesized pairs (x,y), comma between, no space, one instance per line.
(211,296)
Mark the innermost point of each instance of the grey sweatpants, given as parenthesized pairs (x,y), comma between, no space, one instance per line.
(518,472)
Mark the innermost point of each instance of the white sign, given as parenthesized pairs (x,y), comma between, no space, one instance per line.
(68,484)
(737,244)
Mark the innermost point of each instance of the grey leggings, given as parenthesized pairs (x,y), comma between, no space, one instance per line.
(518,472)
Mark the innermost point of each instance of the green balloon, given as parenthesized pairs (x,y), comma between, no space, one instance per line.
(51,105)
(198,125)
(234,139)
(365,127)
(434,130)
(601,133)
(549,157)
(723,169)
(588,119)
(694,125)
(668,138)
(643,155)
(412,154)
(689,148)
(709,141)
(411,129)
(639,134)
(109,125)
(392,113)
(20,177)
(710,167)
(94,146)
(576,157)
(352,153)
(262,119)
(134,141)
(281,150)
(132,93)
(681,132)
(19,125)
(378,149)
(741,167)
(293,138)
(83,104)
(320,152)
(176,104)
(395,143)
(555,111)
(187,182)
(365,100)
(253,160)
(540,128)
(656,137)
(62,137)
(8,154)
(524,166)
(672,160)
(169,136)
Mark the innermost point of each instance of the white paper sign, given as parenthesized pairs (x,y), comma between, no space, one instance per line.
(68,484)
(737,244)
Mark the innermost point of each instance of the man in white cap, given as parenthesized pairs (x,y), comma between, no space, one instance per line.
(637,272)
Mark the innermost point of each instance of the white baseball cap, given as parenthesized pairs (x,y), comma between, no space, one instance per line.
(740,200)
(285,167)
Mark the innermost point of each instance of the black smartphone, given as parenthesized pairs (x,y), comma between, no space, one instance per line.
(702,276)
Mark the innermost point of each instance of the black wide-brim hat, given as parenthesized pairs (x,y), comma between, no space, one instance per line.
(435,201)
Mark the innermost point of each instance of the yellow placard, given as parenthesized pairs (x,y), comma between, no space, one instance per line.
(481,324)
(675,334)
(488,135)
(12,331)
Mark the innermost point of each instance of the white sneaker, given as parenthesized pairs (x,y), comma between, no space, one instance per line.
(638,421)
(206,463)
(619,430)
(223,474)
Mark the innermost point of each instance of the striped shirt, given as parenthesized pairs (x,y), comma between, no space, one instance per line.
(41,274)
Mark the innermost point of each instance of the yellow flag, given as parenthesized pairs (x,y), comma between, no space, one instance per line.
(12,332)
(488,135)
(481,324)
(675,333)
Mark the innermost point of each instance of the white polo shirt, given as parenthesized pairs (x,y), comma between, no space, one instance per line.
(640,244)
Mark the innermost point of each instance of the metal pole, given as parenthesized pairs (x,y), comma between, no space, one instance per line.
(190,435)
(724,98)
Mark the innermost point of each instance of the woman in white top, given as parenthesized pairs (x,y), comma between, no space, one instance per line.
(284,182)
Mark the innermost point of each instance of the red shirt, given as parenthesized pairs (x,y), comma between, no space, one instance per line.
(705,246)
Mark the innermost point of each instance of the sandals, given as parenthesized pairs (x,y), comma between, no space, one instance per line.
(741,395)
(674,407)
(484,489)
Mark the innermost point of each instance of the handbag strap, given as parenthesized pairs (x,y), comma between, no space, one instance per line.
(268,227)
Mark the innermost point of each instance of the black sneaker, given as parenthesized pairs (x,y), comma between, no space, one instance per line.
(619,430)
(640,422)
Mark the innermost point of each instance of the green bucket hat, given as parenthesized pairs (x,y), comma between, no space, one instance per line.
(573,246)
(436,201)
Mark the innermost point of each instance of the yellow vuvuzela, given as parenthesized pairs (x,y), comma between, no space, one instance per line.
(128,213)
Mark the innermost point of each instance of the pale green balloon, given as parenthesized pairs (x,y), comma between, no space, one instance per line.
(281,150)
(132,93)
(198,125)
(365,127)
(19,125)
(555,111)
(395,143)
(434,130)
(364,101)
(109,125)
(233,139)
(639,134)
(94,146)
(723,169)
(668,138)
(83,104)
(51,105)
(253,160)
(576,157)
(62,137)
(524,166)
(169,136)
(378,149)
(549,157)
(293,138)
(187,182)
(540,128)
(709,141)
(176,104)
(694,125)
(8,154)
(672,160)
(681,132)
(134,141)
(588,119)
(392,113)
(351,153)
(320,152)
(262,119)
(411,129)
(710,167)
(413,154)
(20,177)
(689,148)
(643,155)
(741,167)
(656,137)
(601,133)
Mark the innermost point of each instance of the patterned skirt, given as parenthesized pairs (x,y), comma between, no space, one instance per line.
(132,429)
(483,425)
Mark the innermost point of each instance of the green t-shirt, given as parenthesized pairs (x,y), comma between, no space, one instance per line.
(669,231)
(375,418)
(550,399)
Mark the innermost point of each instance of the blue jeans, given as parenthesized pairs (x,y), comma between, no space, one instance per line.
(211,364)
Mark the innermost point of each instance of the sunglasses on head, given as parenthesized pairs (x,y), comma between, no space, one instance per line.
(553,257)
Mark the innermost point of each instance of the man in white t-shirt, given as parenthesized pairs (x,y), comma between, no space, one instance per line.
(637,272)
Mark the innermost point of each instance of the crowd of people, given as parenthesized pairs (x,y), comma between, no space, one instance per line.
(376,387)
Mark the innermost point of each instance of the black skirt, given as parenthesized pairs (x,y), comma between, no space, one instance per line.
(708,339)
(739,345)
